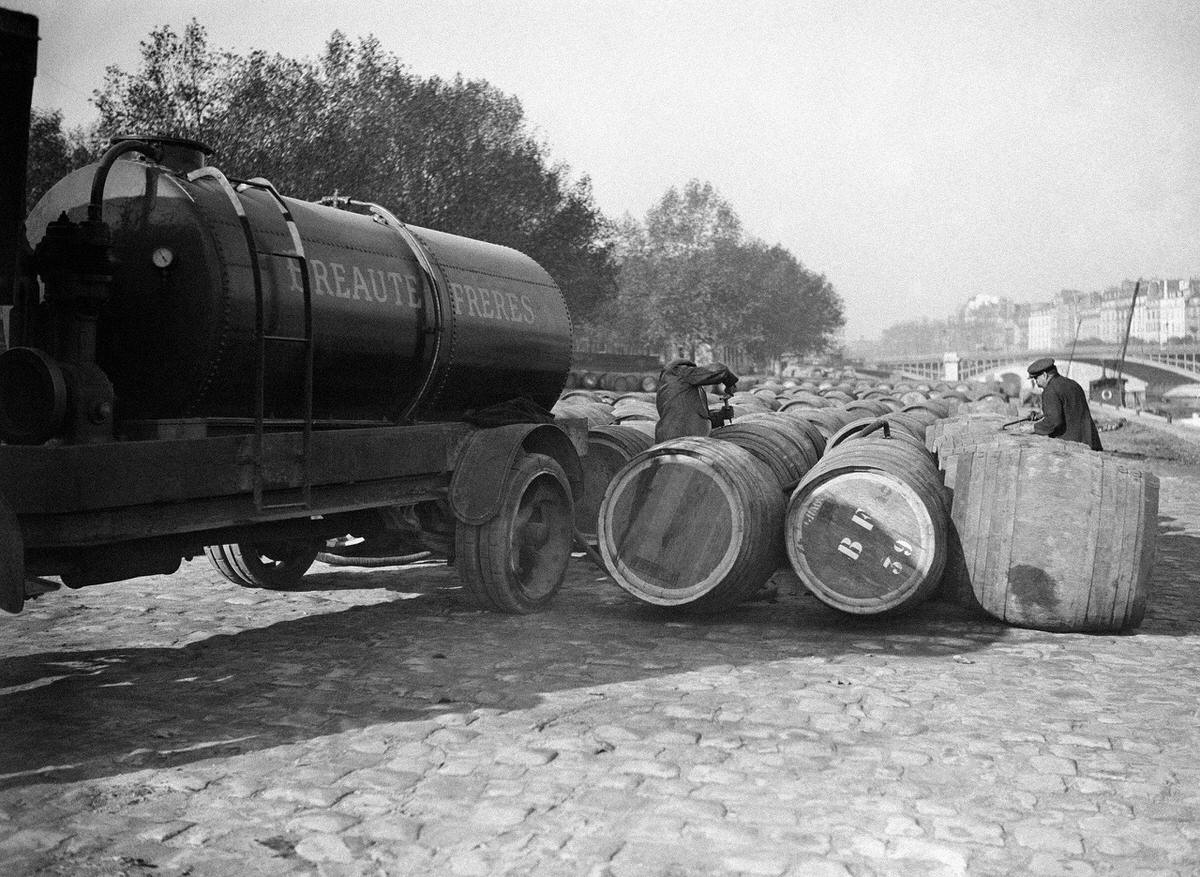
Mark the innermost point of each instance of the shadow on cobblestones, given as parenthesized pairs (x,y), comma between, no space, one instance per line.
(1174,605)
(215,670)
(77,713)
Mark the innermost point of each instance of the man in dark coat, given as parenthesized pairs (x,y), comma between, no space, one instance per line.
(1065,411)
(682,402)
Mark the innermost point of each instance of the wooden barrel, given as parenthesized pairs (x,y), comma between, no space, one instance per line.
(609,448)
(914,426)
(628,408)
(969,424)
(938,406)
(644,426)
(746,403)
(890,403)
(913,397)
(872,426)
(920,413)
(780,442)
(578,394)
(828,420)
(867,408)
(815,436)
(692,522)
(1053,536)
(866,530)
(812,400)
(950,448)
(648,383)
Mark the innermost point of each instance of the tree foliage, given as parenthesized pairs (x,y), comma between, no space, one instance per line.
(690,276)
(53,153)
(455,155)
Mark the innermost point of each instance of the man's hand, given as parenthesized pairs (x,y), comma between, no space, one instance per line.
(1033,415)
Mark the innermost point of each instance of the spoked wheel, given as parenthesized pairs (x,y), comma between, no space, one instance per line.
(276,566)
(516,561)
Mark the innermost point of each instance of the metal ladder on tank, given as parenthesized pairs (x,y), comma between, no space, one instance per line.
(262,340)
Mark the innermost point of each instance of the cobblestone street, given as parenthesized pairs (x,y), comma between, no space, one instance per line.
(376,723)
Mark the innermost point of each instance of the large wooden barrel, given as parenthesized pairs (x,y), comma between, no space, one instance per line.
(693,523)
(839,395)
(815,436)
(890,403)
(869,426)
(609,449)
(925,415)
(940,407)
(827,420)
(1052,535)
(746,403)
(914,426)
(948,429)
(804,398)
(630,408)
(780,442)
(866,530)
(867,408)
(950,448)
(578,394)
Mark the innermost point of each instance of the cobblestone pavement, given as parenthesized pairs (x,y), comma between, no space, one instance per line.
(375,723)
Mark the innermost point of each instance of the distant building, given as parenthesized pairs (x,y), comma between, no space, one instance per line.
(1165,311)
(990,322)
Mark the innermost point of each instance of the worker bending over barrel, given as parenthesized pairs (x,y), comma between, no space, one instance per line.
(1065,411)
(682,402)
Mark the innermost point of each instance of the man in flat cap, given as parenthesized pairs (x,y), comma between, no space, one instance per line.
(681,401)
(1065,411)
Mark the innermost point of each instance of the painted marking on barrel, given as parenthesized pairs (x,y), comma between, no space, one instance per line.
(850,548)
(810,514)
(863,520)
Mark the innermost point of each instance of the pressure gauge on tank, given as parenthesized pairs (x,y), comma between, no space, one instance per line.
(162,258)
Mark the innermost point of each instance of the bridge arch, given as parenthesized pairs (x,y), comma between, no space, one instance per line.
(1155,368)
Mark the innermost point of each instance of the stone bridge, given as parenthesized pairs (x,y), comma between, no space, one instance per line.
(1145,368)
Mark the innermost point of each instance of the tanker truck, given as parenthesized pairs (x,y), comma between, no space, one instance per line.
(200,365)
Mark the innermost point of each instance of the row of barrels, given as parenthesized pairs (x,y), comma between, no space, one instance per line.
(620,382)
(907,393)
(875,513)
(600,407)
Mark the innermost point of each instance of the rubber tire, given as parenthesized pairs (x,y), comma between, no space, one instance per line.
(262,566)
(536,514)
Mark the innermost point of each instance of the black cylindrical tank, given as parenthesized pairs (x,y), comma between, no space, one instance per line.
(392,340)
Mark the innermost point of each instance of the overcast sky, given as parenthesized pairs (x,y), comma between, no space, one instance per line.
(916,153)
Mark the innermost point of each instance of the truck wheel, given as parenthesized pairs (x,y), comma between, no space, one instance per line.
(276,566)
(516,561)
